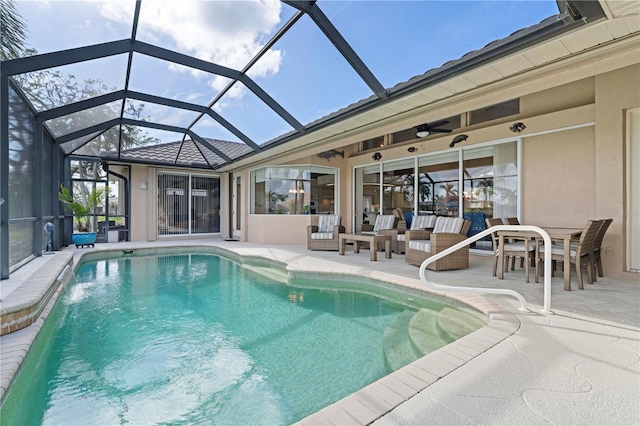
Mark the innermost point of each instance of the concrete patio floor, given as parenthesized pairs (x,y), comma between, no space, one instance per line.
(578,366)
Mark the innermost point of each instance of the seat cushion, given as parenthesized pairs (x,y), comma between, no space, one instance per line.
(558,250)
(322,236)
(327,222)
(422,245)
(519,246)
(448,224)
(401,237)
(423,222)
(384,221)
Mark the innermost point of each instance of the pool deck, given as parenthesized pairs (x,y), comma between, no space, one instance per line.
(578,366)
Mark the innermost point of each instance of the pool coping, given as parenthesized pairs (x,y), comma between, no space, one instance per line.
(40,292)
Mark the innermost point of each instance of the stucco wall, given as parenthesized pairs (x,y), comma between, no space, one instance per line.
(558,179)
(616,92)
(139,203)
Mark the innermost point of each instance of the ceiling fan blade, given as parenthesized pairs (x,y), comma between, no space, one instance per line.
(440,130)
(438,123)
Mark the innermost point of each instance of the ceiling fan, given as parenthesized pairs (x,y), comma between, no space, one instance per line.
(426,129)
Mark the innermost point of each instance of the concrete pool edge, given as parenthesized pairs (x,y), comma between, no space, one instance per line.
(362,407)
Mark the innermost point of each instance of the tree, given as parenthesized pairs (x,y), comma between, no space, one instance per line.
(50,89)
(81,209)
(449,189)
(13,31)
(486,184)
(273,198)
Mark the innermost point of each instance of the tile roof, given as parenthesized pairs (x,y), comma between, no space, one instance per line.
(187,153)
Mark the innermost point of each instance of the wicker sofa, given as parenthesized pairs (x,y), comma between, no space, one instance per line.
(324,235)
(421,244)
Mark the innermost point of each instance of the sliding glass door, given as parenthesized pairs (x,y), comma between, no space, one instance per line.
(438,177)
(475,183)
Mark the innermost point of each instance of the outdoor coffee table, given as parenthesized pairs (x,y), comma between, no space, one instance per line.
(370,238)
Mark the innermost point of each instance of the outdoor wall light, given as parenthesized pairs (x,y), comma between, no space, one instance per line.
(377,156)
(458,139)
(412,149)
(517,127)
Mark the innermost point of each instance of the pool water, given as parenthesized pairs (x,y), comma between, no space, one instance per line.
(189,339)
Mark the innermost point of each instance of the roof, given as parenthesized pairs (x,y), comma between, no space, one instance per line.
(187,153)
(493,61)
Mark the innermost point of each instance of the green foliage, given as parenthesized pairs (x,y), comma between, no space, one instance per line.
(80,210)
(13,31)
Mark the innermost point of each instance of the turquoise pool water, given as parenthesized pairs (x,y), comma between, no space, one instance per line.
(192,339)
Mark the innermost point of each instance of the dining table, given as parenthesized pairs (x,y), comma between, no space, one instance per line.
(560,235)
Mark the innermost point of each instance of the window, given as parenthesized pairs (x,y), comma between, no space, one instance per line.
(398,185)
(293,190)
(188,204)
(372,143)
(438,184)
(490,186)
(493,112)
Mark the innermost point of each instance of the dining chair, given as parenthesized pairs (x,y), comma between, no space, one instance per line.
(597,245)
(580,253)
(524,248)
(513,221)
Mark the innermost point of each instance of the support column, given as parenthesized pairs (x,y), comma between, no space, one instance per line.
(56,180)
(4,174)
(38,186)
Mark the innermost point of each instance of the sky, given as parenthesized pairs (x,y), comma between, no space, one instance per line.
(303,72)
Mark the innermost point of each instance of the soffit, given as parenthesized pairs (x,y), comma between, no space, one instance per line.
(622,8)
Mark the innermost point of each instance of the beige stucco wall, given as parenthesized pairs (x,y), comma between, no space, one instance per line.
(616,92)
(140,204)
(558,179)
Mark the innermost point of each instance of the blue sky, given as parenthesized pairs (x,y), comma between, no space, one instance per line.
(303,71)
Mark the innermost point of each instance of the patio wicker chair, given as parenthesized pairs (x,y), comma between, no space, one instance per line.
(401,222)
(581,253)
(324,236)
(524,248)
(424,222)
(597,245)
(385,224)
(420,244)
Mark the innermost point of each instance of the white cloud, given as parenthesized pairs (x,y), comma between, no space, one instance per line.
(228,33)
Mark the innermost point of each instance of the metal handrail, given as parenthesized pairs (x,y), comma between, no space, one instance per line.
(483,290)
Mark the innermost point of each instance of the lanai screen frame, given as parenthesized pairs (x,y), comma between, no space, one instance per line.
(566,21)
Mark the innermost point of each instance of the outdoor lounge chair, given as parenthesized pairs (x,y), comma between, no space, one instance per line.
(324,236)
(385,224)
(447,231)
(426,222)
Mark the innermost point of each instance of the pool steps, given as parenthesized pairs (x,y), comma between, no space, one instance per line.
(396,343)
(411,334)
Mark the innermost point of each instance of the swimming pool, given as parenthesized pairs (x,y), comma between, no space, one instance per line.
(195,338)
